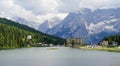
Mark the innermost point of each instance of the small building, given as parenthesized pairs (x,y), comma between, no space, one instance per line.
(114,43)
(51,45)
(104,43)
(74,42)
(29,37)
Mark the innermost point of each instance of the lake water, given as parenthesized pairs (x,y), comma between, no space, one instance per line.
(63,56)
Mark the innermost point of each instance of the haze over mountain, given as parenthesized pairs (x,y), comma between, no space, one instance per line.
(25,22)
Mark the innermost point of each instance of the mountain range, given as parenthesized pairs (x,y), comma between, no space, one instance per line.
(90,25)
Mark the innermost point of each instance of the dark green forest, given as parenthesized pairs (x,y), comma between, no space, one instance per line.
(14,35)
(115,38)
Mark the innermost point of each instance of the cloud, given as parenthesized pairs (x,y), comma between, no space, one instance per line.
(68,6)
(10,9)
(50,6)
(40,10)
(39,6)
(99,4)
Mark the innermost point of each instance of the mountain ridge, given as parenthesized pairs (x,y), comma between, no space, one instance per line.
(92,23)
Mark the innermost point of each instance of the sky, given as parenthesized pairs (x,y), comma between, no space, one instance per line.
(40,10)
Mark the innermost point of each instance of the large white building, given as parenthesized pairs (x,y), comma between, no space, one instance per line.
(74,42)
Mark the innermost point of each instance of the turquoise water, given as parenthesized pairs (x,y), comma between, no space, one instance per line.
(63,56)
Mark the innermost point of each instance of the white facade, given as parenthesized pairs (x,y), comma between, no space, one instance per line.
(29,37)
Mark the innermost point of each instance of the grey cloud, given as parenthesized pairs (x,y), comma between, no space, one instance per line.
(65,6)
(68,5)
(100,4)
(40,10)
(38,6)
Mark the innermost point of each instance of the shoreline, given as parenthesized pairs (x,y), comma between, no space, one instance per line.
(109,49)
(112,49)
(13,48)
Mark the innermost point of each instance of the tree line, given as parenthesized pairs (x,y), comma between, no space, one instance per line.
(115,38)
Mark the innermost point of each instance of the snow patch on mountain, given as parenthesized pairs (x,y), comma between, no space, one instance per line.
(102,26)
(89,25)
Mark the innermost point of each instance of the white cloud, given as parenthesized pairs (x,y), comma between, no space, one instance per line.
(10,9)
(99,4)
(38,6)
(68,5)
(52,15)
(40,10)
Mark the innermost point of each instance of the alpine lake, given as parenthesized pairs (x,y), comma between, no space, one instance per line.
(58,56)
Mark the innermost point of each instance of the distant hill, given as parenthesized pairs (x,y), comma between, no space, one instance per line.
(13,35)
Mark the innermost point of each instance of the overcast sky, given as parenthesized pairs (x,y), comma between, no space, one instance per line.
(40,10)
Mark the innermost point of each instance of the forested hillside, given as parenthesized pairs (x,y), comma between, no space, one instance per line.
(14,35)
(115,38)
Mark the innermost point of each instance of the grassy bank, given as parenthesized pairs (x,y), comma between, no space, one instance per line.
(110,49)
(7,48)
